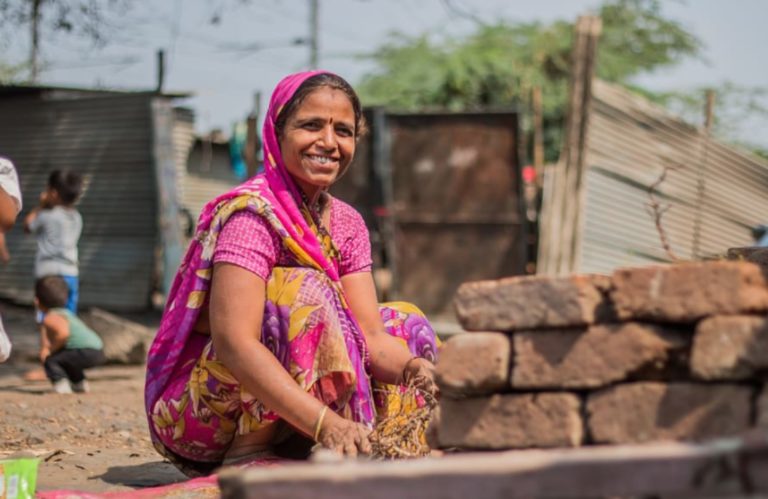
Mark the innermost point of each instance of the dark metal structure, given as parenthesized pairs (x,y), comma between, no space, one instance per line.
(441,193)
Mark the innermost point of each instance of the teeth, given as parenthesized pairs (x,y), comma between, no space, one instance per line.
(321,159)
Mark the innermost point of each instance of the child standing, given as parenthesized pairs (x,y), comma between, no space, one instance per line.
(69,346)
(57,225)
(10,206)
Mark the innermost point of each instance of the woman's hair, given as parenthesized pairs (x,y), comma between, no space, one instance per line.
(67,183)
(52,291)
(316,82)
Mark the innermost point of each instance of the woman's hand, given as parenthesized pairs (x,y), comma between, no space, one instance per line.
(344,436)
(422,373)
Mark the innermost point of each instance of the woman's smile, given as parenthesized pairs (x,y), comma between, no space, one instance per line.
(323,161)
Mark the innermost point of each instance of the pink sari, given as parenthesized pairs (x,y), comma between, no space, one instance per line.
(194,405)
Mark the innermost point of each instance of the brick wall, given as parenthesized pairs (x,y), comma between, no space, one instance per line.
(673,352)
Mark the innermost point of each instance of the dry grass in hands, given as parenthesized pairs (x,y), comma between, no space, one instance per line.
(403,434)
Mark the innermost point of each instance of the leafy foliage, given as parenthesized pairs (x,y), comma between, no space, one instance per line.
(499,64)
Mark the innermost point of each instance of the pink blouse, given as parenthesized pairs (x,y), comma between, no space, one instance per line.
(247,240)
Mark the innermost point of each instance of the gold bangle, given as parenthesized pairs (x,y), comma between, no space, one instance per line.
(319,423)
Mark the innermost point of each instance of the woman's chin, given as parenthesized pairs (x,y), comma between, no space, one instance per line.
(323,181)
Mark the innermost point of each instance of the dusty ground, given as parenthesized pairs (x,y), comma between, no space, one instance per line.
(92,442)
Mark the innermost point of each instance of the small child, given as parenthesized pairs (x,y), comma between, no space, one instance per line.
(10,206)
(57,225)
(68,345)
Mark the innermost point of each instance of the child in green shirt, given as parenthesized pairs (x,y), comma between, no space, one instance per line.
(68,345)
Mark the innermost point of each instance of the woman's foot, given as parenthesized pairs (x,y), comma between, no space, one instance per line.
(253,445)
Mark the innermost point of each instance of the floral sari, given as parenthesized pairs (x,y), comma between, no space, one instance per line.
(194,405)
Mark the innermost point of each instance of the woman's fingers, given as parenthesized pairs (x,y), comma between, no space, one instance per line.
(363,443)
(347,438)
(350,448)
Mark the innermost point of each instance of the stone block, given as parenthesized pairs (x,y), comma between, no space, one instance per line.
(645,411)
(730,347)
(531,302)
(592,357)
(473,364)
(722,468)
(687,292)
(511,421)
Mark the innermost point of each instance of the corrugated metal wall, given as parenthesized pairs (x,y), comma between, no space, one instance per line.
(108,139)
(207,174)
(183,140)
(715,193)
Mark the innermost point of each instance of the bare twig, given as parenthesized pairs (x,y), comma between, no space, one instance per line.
(657,211)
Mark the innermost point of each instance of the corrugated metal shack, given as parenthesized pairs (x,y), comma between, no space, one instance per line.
(715,193)
(207,173)
(129,146)
(441,194)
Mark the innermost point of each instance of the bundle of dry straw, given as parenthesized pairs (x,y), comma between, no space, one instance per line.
(402,433)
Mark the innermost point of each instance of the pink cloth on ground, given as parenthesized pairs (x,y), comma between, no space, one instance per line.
(248,240)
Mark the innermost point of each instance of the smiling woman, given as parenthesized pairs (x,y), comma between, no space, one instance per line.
(272,329)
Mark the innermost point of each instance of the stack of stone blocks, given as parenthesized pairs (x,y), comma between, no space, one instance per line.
(672,352)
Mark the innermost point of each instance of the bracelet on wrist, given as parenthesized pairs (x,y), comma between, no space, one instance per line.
(319,423)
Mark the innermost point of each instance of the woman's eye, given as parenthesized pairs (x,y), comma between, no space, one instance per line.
(311,125)
(344,131)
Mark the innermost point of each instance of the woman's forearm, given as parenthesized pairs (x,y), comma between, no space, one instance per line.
(262,375)
(235,313)
(388,357)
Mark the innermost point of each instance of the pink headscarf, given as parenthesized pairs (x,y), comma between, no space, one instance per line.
(286,194)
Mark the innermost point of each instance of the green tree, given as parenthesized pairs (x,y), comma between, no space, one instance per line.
(499,64)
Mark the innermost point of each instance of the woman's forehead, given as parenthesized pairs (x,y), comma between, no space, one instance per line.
(326,99)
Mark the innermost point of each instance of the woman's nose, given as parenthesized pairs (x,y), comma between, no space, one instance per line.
(328,137)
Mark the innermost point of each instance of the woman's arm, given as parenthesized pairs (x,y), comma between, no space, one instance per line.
(236,311)
(389,357)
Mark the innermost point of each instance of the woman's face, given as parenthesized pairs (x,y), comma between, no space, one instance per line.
(318,142)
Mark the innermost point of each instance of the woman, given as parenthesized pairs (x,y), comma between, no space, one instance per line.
(273,317)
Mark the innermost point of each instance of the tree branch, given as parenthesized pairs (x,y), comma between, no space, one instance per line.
(657,211)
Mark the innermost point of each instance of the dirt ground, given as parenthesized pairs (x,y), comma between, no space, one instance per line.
(92,442)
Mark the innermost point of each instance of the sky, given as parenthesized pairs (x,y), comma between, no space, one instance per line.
(253,45)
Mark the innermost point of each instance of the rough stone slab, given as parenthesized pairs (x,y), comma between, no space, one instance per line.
(755,254)
(644,411)
(721,468)
(687,292)
(531,302)
(730,347)
(125,342)
(591,357)
(511,421)
(474,364)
